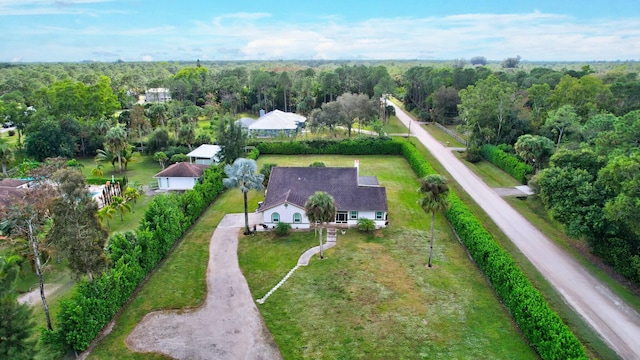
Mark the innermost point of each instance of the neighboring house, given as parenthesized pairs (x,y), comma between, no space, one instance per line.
(355,196)
(275,123)
(180,176)
(157,95)
(205,154)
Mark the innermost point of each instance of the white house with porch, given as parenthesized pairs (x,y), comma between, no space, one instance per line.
(355,196)
(275,123)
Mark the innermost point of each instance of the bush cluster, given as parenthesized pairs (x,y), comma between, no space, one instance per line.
(507,162)
(542,327)
(133,256)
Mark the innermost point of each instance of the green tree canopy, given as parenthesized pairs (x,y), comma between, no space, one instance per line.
(242,174)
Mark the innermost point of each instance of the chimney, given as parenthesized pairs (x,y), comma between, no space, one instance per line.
(356,164)
(261,112)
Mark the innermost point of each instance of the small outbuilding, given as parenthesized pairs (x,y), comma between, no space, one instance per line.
(180,176)
(205,154)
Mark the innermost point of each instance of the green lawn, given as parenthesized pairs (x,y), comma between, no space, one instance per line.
(143,170)
(490,174)
(442,137)
(372,297)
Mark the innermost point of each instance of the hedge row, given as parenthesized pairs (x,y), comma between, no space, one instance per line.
(133,255)
(507,162)
(542,327)
(358,146)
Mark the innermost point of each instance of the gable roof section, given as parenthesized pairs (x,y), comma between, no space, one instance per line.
(245,122)
(278,120)
(294,185)
(182,169)
(205,151)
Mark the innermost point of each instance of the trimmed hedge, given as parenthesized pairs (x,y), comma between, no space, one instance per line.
(133,256)
(547,334)
(507,162)
(358,146)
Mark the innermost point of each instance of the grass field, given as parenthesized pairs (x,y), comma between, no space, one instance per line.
(371,298)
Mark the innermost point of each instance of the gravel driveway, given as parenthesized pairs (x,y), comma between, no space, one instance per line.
(616,322)
(228,324)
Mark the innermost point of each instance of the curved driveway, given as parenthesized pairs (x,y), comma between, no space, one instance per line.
(616,322)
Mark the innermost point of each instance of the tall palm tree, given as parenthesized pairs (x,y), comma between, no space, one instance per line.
(115,141)
(242,173)
(434,191)
(320,208)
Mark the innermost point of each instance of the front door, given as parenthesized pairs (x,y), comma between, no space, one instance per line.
(341,217)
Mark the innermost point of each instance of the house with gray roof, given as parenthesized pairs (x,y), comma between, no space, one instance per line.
(180,176)
(355,196)
(275,123)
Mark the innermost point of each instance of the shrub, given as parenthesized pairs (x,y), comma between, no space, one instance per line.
(473,155)
(178,158)
(283,228)
(317,164)
(507,162)
(366,225)
(11,132)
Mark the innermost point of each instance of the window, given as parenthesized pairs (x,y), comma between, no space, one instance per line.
(353,215)
(341,217)
(378,215)
(297,218)
(275,217)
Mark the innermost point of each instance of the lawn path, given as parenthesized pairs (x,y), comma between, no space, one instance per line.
(227,326)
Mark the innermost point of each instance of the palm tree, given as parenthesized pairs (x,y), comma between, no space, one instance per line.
(6,155)
(242,173)
(121,206)
(107,212)
(320,208)
(97,171)
(115,141)
(131,194)
(434,191)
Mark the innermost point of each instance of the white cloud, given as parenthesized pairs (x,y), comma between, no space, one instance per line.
(534,36)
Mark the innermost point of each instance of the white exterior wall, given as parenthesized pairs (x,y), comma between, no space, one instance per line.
(204,161)
(176,183)
(286,215)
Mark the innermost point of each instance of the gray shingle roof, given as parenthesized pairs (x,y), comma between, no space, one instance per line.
(182,169)
(295,184)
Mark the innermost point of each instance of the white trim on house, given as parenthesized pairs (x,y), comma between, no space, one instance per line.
(286,214)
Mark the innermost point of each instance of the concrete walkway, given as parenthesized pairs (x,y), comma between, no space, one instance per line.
(227,326)
(303,260)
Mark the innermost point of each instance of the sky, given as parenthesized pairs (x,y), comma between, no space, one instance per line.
(165,30)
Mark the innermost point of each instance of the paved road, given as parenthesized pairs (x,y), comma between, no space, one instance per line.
(616,322)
